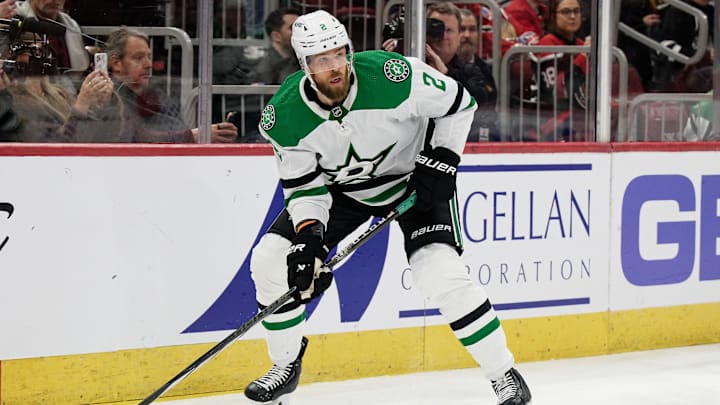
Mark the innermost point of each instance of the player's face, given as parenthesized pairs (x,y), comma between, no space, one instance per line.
(135,66)
(568,17)
(469,37)
(448,46)
(331,74)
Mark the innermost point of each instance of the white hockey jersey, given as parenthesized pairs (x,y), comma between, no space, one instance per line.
(365,147)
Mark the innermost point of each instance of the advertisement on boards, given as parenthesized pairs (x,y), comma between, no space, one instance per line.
(135,252)
(668,217)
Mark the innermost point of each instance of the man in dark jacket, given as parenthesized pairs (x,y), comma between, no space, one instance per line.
(280,61)
(441,53)
(678,30)
(148,115)
(455,55)
(642,16)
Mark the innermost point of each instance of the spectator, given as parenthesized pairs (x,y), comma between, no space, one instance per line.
(527,16)
(484,123)
(475,77)
(642,16)
(46,112)
(70,50)
(8,9)
(280,61)
(562,81)
(563,23)
(441,54)
(585,18)
(469,37)
(678,30)
(150,116)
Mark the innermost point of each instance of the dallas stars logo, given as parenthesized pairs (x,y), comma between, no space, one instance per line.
(396,70)
(267,121)
(356,168)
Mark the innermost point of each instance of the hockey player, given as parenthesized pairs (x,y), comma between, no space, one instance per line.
(353,135)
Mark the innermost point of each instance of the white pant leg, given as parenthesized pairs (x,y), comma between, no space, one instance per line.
(268,269)
(441,276)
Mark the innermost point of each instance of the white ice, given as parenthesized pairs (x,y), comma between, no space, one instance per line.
(678,376)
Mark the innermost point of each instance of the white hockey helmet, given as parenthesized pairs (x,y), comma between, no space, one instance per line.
(319,32)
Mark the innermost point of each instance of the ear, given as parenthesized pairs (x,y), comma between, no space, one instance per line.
(275,36)
(115,63)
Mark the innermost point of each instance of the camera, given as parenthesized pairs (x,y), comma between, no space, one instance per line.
(395,29)
(38,59)
(35,67)
(27,37)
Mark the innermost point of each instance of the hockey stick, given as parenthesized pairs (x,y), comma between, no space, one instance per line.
(402,208)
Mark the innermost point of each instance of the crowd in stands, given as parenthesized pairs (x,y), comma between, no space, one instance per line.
(50,90)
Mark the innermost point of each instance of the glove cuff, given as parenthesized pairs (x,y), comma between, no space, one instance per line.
(312,227)
(440,160)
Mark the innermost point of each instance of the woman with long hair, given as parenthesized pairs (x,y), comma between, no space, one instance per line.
(46,112)
(561,82)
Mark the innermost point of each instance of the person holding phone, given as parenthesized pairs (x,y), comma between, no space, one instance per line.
(148,115)
(46,112)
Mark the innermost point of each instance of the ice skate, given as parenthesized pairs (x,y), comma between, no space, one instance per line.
(511,389)
(273,388)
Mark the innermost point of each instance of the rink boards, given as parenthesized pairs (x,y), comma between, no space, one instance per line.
(121,265)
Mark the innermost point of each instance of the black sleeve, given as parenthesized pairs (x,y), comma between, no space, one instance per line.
(678,26)
(478,81)
(632,13)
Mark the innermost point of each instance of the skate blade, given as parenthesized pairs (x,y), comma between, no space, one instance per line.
(281,400)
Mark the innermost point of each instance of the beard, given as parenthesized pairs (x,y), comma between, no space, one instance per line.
(335,93)
(467,47)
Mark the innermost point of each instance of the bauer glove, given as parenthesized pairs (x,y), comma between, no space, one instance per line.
(305,263)
(434,177)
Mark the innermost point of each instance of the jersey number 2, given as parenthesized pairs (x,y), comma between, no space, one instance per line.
(431,81)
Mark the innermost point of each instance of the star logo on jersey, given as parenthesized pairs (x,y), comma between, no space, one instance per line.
(357,168)
(267,121)
(396,70)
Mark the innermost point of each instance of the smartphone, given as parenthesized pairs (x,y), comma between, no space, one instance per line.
(101,62)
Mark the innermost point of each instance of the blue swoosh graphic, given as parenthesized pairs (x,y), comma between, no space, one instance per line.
(356,283)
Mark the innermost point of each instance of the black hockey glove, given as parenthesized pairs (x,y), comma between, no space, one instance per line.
(434,177)
(305,259)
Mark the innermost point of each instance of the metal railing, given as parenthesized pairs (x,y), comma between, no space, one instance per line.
(702,37)
(505,89)
(661,116)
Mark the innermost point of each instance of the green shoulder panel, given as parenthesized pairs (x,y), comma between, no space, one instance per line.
(286,118)
(384,80)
